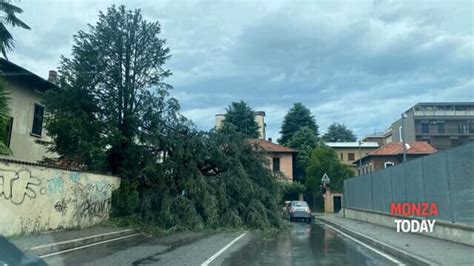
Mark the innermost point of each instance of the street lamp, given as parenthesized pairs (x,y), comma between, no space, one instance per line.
(360,159)
(402,136)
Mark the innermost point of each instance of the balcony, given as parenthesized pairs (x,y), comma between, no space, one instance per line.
(439,113)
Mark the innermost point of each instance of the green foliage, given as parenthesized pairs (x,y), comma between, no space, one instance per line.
(291,191)
(9,17)
(4,115)
(112,94)
(339,133)
(125,199)
(211,180)
(242,117)
(304,140)
(297,117)
(113,113)
(324,160)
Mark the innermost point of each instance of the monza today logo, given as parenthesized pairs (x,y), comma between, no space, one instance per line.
(428,210)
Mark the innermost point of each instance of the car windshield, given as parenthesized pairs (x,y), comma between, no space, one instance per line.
(256,132)
(300,204)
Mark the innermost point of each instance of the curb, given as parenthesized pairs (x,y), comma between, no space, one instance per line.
(74,243)
(408,258)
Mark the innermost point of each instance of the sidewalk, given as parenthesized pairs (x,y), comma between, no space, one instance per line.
(424,248)
(41,244)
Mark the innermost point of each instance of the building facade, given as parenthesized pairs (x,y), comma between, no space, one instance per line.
(392,154)
(259,118)
(25,125)
(348,152)
(280,158)
(443,125)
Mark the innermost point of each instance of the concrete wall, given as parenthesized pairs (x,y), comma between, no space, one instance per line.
(23,143)
(37,199)
(458,233)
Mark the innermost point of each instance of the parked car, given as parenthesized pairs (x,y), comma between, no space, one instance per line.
(299,210)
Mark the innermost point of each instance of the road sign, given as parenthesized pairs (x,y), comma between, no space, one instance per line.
(325,179)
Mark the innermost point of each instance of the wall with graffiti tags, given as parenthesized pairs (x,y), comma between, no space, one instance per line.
(38,199)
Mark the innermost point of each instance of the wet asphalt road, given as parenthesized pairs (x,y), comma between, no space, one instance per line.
(303,244)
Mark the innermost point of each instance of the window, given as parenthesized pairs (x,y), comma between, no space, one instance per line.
(425,128)
(388,164)
(440,127)
(342,156)
(471,127)
(38,120)
(351,156)
(276,164)
(9,130)
(462,128)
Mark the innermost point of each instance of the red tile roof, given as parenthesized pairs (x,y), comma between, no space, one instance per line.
(270,146)
(395,148)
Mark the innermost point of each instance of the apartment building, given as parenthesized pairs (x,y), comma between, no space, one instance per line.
(444,125)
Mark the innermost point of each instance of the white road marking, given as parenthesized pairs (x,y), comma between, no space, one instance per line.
(392,259)
(79,239)
(86,246)
(213,257)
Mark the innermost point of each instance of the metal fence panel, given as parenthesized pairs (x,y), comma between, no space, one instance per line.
(446,178)
(414,181)
(378,194)
(387,197)
(397,174)
(460,163)
(436,183)
(367,203)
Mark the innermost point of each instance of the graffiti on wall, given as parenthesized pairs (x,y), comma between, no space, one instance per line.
(17,185)
(95,208)
(36,199)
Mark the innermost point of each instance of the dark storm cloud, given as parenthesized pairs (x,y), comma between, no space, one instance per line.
(360,63)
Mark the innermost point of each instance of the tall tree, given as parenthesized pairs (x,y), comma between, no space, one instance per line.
(304,140)
(297,117)
(339,133)
(116,75)
(9,17)
(242,117)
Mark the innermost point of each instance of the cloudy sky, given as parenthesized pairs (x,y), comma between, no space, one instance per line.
(360,63)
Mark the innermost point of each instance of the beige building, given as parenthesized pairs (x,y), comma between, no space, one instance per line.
(280,158)
(348,152)
(25,125)
(259,118)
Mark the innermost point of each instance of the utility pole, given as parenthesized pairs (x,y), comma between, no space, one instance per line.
(360,158)
(402,136)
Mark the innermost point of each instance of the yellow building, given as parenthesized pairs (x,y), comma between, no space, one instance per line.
(25,125)
(348,152)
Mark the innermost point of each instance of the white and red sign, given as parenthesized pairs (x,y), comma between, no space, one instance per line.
(411,209)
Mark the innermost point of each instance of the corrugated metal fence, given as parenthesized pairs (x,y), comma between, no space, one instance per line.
(446,178)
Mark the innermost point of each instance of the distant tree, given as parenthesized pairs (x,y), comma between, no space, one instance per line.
(297,117)
(324,160)
(9,17)
(339,133)
(242,117)
(304,140)
(4,114)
